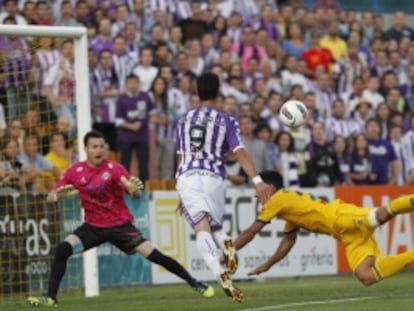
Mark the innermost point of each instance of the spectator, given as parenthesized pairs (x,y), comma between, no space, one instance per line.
(10,10)
(353,96)
(175,40)
(13,169)
(328,4)
(399,29)
(193,27)
(82,11)
(403,155)
(104,107)
(164,121)
(59,85)
(219,29)
(338,124)
(195,62)
(407,89)
(35,167)
(194,101)
(255,147)
(236,176)
(324,95)
(263,132)
(251,74)
(382,114)
(361,162)
(267,23)
(29,12)
(66,15)
(379,26)
(396,103)
(235,27)
(134,108)
(316,56)
(182,66)
(62,127)
(142,19)
(121,20)
(295,43)
(103,40)
(247,48)
(15,132)
(180,10)
(175,96)
(341,147)
(398,67)
(407,143)
(16,67)
(58,155)
(248,10)
(46,56)
(43,16)
(123,64)
(371,94)
(287,162)
(157,36)
(185,88)
(361,115)
(321,161)
(385,164)
(132,40)
(208,51)
(368,31)
(333,42)
(230,106)
(348,68)
(290,76)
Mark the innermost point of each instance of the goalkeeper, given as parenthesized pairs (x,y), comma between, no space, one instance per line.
(101,184)
(348,223)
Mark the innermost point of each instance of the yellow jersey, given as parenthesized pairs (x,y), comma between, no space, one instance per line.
(337,46)
(301,210)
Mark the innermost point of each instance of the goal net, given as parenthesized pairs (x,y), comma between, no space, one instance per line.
(44,110)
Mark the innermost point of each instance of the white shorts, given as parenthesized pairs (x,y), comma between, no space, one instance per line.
(202,195)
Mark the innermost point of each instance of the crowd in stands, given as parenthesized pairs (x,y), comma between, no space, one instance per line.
(355,76)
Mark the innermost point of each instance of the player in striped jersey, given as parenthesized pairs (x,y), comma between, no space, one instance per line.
(204,136)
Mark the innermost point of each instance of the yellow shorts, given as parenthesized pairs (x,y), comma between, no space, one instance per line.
(353,230)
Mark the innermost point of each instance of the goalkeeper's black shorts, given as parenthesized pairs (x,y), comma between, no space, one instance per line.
(126,237)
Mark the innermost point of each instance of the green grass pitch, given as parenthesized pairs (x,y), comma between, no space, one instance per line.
(314,293)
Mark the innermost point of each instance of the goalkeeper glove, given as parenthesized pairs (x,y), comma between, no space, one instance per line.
(134,185)
(61,193)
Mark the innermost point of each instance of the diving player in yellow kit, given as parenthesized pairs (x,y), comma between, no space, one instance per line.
(348,223)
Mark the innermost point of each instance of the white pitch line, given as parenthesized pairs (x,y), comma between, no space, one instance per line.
(306,303)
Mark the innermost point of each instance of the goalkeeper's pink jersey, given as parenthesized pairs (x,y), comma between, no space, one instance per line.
(101,192)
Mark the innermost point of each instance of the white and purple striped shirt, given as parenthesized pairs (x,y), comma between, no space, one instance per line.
(123,66)
(403,159)
(289,168)
(16,61)
(204,136)
(337,127)
(407,144)
(45,60)
(104,80)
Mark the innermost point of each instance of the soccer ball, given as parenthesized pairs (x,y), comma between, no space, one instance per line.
(293,113)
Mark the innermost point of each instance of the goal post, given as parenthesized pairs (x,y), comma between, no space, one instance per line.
(83,107)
